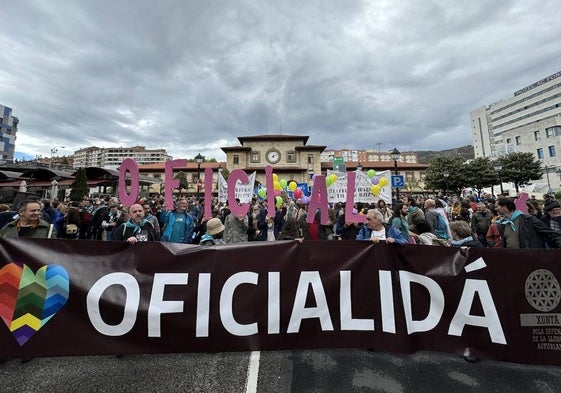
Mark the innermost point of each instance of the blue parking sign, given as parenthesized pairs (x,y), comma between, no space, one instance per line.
(398,181)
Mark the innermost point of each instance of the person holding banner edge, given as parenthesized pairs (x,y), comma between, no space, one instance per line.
(376,230)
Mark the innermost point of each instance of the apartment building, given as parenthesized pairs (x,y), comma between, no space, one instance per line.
(112,157)
(529,121)
(8,130)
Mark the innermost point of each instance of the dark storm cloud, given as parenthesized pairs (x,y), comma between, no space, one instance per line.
(191,76)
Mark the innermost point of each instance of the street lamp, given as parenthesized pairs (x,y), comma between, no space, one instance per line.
(499,168)
(395,154)
(198,159)
(547,176)
(359,167)
(53,151)
(445,174)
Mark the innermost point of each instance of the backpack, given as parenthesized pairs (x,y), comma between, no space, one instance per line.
(441,227)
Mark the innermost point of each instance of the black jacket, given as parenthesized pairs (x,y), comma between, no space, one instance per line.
(533,233)
(546,218)
(123,232)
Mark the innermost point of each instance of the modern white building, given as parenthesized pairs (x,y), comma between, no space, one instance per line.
(366,156)
(530,121)
(8,130)
(112,157)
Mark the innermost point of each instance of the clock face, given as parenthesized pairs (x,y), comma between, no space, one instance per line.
(273,156)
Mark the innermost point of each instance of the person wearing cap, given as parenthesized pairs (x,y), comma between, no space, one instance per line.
(136,229)
(213,234)
(552,216)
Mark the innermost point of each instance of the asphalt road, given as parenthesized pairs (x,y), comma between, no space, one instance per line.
(276,371)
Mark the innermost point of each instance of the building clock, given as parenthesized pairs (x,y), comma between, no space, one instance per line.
(273,156)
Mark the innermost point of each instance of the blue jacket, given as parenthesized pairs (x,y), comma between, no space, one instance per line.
(365,233)
(169,218)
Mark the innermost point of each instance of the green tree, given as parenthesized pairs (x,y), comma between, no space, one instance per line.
(453,166)
(520,168)
(480,173)
(79,188)
(183,183)
(225,173)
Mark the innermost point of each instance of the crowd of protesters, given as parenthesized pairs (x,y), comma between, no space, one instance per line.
(442,221)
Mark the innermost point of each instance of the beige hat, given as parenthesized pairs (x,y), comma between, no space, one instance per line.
(214,226)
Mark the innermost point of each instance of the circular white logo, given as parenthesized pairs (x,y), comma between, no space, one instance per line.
(542,290)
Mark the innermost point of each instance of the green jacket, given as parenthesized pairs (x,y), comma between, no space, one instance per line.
(40,231)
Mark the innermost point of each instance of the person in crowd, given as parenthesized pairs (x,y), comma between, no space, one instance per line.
(348,230)
(399,219)
(214,233)
(257,223)
(493,236)
(462,235)
(291,229)
(198,209)
(313,227)
(480,222)
(271,229)
(440,207)
(71,224)
(425,235)
(519,230)
(148,214)
(384,209)
(99,215)
(414,213)
(376,230)
(179,224)
(324,231)
(235,228)
(112,220)
(449,208)
(552,216)
(86,210)
(6,215)
(301,216)
(223,212)
(48,211)
(58,221)
(29,223)
(534,207)
(472,204)
(431,216)
(136,229)
(278,220)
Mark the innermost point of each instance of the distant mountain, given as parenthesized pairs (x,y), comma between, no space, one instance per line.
(427,156)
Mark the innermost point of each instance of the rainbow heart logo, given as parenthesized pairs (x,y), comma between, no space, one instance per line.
(28,301)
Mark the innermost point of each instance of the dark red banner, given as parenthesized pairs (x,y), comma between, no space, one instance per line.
(62,297)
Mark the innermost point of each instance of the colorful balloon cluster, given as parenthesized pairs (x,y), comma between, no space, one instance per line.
(329,180)
(282,184)
(377,182)
(279,185)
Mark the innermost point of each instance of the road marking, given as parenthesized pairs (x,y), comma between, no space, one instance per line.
(253,372)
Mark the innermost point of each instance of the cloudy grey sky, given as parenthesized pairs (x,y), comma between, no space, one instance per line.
(191,76)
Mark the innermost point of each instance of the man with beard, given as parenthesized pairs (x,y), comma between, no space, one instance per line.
(136,229)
